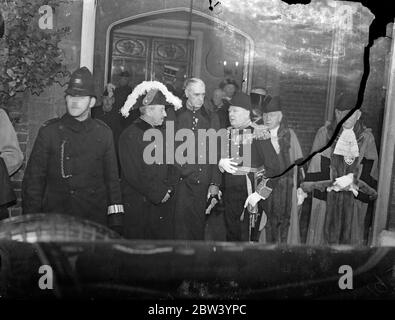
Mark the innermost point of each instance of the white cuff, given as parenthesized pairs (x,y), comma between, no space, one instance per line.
(115,208)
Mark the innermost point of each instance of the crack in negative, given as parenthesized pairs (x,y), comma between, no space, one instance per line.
(358,105)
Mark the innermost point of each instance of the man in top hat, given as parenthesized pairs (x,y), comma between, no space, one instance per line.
(244,152)
(283,207)
(259,99)
(146,188)
(342,178)
(72,168)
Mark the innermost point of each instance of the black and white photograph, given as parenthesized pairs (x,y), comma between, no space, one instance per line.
(197,156)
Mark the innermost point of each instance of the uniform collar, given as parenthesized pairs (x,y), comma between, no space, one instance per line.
(143,124)
(147,121)
(76,125)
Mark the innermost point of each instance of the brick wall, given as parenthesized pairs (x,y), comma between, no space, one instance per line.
(303,101)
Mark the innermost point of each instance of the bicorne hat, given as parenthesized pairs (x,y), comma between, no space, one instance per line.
(150,93)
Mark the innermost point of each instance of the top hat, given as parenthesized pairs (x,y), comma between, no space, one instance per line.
(346,101)
(81,83)
(273,105)
(258,97)
(241,100)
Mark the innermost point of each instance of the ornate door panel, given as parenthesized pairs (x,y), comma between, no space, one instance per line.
(151,58)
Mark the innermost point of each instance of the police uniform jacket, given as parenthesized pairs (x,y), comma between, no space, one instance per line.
(73,170)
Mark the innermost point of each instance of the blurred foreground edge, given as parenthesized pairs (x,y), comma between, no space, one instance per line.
(84,260)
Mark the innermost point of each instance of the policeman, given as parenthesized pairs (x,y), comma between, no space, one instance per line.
(73,168)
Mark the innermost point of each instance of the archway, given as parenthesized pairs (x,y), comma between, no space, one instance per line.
(197,34)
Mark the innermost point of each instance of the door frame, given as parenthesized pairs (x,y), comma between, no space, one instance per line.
(248,55)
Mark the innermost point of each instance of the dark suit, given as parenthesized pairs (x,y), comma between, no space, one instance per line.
(194,179)
(73,170)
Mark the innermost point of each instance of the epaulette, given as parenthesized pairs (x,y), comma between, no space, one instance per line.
(50,121)
(101,122)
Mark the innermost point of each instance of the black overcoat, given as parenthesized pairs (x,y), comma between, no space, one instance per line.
(72,170)
(144,185)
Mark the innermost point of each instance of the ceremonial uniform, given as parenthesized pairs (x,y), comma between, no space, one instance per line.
(194,179)
(72,168)
(251,152)
(338,213)
(238,186)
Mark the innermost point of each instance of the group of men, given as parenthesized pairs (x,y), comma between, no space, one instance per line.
(73,167)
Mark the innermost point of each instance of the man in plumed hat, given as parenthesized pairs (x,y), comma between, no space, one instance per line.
(342,178)
(283,207)
(72,168)
(245,152)
(146,188)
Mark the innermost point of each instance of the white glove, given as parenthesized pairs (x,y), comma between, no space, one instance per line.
(301,195)
(354,189)
(226,164)
(344,181)
(209,193)
(253,199)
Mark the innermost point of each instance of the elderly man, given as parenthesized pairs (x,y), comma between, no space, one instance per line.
(147,191)
(245,151)
(197,181)
(73,168)
(342,178)
(11,159)
(282,208)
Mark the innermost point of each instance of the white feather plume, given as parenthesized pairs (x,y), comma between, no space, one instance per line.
(143,88)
